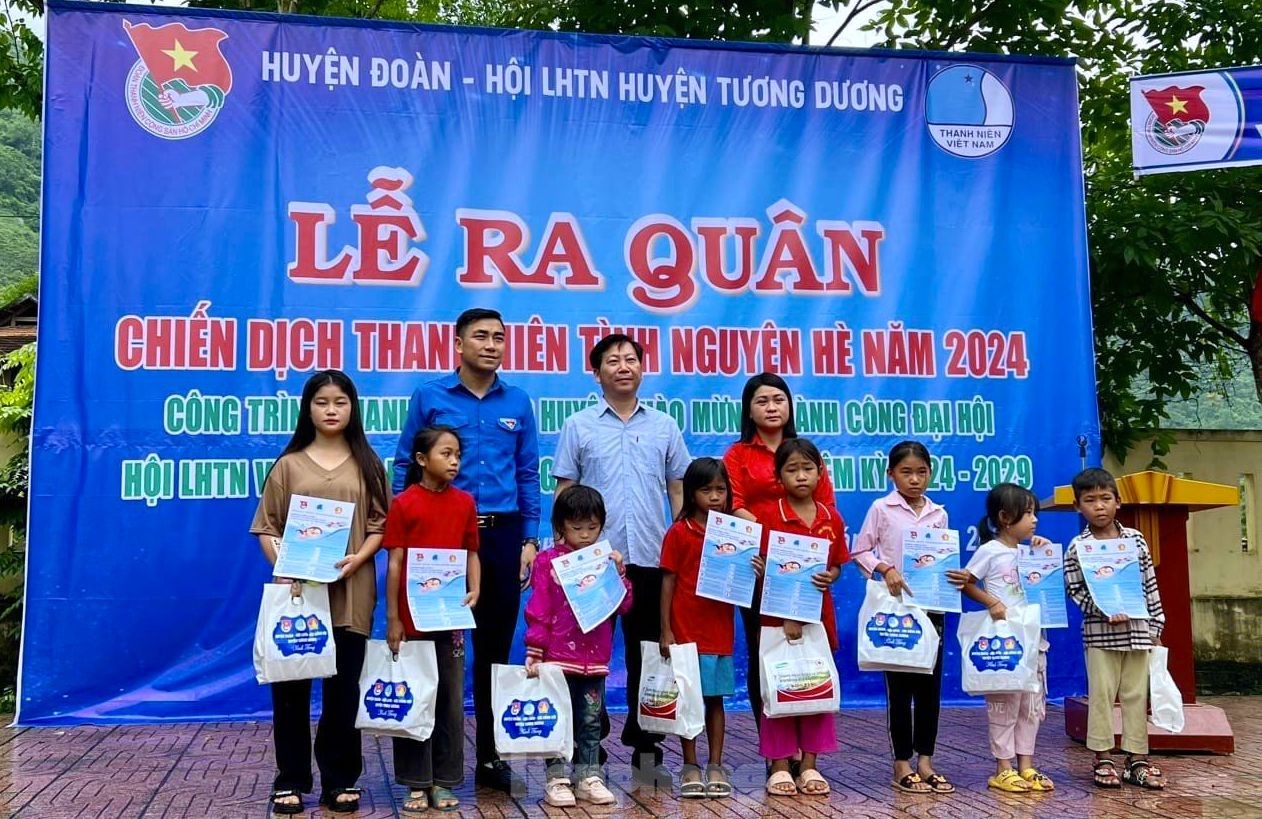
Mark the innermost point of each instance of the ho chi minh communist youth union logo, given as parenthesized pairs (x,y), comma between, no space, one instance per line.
(1178,118)
(969,111)
(179,82)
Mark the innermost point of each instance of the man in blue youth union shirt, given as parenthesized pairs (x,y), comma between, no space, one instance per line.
(635,457)
(496,427)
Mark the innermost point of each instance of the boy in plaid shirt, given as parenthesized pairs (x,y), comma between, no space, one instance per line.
(1117,646)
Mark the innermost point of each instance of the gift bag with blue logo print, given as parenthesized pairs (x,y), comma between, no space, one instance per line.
(533,715)
(893,635)
(398,692)
(293,639)
(1000,656)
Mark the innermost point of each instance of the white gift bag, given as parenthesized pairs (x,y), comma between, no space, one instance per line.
(1164,696)
(799,676)
(895,636)
(293,639)
(670,691)
(397,695)
(533,715)
(1000,656)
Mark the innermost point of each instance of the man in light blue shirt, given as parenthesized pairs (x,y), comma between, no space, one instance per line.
(635,457)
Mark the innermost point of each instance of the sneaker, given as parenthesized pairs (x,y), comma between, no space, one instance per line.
(497,774)
(593,790)
(558,793)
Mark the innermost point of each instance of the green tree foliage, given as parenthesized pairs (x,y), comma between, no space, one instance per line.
(1173,257)
(414,10)
(17,396)
(19,197)
(772,20)
(21,58)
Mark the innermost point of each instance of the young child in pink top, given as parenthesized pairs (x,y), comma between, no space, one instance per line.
(912,700)
(553,636)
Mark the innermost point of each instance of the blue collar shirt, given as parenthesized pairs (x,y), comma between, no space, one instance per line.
(496,431)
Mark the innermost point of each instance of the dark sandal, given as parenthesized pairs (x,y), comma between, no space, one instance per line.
(1141,773)
(1105,774)
(939,783)
(286,808)
(331,801)
(438,795)
(907,784)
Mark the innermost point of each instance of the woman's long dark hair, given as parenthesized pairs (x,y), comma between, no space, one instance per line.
(371,470)
(748,429)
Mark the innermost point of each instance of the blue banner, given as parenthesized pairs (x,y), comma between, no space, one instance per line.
(233,201)
(1194,120)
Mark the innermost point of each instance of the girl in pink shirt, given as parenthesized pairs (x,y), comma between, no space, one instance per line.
(553,636)
(912,700)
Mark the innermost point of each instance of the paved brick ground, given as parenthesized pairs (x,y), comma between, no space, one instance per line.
(223,771)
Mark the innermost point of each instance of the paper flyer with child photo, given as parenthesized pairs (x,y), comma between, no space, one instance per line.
(1111,569)
(787,590)
(317,531)
(436,588)
(927,555)
(1042,571)
(591,584)
(727,570)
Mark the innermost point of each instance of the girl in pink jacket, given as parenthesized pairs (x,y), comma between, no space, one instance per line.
(553,636)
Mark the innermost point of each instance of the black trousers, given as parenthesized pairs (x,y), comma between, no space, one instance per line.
(642,622)
(438,760)
(338,751)
(499,603)
(913,704)
(752,622)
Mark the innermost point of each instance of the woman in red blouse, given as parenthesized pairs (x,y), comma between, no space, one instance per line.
(766,420)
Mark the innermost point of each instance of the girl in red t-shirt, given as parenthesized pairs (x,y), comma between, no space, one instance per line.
(688,618)
(798,465)
(432,513)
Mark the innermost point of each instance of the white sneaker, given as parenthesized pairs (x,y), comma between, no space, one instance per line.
(593,790)
(558,794)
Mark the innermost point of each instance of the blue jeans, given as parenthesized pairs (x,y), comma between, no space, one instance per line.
(587,698)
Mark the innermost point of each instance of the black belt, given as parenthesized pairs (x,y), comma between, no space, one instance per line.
(494,520)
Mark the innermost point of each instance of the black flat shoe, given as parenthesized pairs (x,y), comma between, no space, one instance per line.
(499,776)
